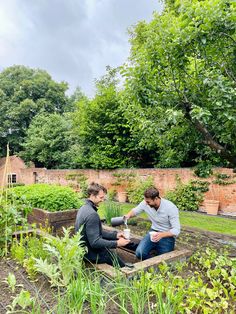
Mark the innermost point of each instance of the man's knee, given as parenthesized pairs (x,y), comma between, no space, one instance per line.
(140,254)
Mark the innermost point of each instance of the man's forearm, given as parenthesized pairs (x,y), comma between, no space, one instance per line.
(167,234)
(130,214)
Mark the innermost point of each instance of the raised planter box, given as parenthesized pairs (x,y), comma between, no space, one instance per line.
(179,254)
(54,220)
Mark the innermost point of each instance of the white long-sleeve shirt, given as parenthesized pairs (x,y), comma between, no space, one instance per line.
(165,218)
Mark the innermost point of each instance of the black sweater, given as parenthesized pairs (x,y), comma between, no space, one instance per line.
(96,239)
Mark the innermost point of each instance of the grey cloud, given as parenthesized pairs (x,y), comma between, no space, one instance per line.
(74,40)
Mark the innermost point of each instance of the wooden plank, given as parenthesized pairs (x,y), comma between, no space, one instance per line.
(155,261)
(38,232)
(43,215)
(63,215)
(108,270)
(127,256)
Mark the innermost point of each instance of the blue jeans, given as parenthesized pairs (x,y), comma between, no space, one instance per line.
(145,246)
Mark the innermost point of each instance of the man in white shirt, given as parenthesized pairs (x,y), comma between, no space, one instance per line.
(164,216)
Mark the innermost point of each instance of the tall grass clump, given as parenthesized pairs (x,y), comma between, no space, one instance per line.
(97,296)
(119,293)
(110,210)
(74,299)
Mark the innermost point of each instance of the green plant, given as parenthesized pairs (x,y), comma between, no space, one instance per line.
(188,196)
(123,178)
(25,303)
(64,260)
(223,179)
(49,197)
(111,194)
(203,169)
(138,293)
(26,249)
(168,298)
(110,210)
(11,281)
(75,296)
(18,250)
(97,296)
(143,224)
(137,188)
(11,217)
(120,294)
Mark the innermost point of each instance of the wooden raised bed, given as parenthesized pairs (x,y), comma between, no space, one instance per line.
(53,220)
(179,254)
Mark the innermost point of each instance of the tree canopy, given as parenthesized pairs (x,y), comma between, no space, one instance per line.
(24,93)
(181,79)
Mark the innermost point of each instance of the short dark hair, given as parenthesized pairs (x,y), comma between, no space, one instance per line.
(151,192)
(94,188)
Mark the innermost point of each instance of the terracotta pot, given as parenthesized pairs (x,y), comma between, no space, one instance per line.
(122,197)
(212,207)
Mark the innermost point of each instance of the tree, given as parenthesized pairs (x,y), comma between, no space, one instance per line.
(24,93)
(181,79)
(77,96)
(103,133)
(48,141)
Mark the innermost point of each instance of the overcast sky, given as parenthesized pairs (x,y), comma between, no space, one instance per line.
(73,40)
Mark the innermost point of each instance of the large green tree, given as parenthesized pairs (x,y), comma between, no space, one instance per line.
(103,133)
(24,93)
(48,141)
(180,81)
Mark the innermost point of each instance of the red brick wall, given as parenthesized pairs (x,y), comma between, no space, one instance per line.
(15,165)
(165,179)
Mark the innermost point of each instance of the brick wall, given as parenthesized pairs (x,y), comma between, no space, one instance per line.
(14,166)
(165,179)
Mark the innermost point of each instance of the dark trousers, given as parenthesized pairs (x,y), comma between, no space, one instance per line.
(109,257)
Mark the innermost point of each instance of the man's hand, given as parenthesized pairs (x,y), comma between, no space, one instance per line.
(122,242)
(157,236)
(120,234)
(129,215)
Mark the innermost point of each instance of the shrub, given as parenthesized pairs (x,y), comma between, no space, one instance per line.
(203,169)
(137,188)
(188,196)
(50,197)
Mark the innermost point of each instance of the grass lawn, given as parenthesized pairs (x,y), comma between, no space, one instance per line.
(192,219)
(209,223)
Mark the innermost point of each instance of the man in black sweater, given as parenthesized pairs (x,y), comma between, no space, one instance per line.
(98,241)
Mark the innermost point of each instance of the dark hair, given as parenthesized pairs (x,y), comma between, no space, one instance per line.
(94,188)
(151,192)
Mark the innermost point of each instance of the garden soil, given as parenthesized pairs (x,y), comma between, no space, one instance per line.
(190,238)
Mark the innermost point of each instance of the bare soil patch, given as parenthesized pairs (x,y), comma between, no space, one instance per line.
(39,288)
